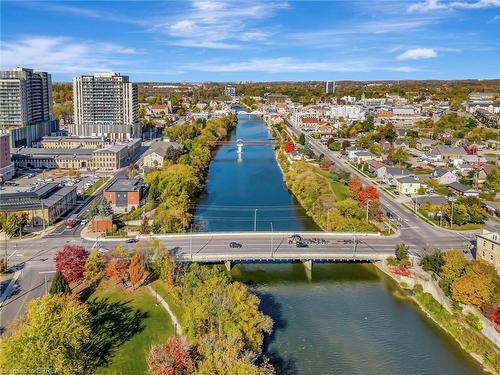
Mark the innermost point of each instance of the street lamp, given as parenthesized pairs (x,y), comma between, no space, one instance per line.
(451,199)
(255,220)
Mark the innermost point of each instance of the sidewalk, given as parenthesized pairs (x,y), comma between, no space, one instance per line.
(175,322)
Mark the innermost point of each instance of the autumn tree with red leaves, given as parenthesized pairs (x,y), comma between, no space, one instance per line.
(170,358)
(290,146)
(71,262)
(355,186)
(136,269)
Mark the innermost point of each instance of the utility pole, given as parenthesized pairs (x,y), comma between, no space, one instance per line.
(451,200)
(191,243)
(255,220)
(272,247)
(367,206)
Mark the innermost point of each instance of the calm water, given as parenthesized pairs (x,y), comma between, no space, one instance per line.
(346,319)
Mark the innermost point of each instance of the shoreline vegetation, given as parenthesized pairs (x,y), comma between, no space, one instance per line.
(455,324)
(175,187)
(325,196)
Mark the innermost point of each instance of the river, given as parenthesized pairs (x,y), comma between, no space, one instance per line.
(346,319)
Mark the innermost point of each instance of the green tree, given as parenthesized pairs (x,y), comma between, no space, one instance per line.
(302,139)
(95,268)
(14,223)
(53,335)
(433,262)
(59,285)
(398,155)
(401,252)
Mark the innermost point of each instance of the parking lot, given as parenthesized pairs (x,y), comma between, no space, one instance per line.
(31,179)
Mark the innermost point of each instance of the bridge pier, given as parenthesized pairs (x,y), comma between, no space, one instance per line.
(229,265)
(308,264)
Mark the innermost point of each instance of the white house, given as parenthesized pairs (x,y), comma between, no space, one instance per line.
(444,176)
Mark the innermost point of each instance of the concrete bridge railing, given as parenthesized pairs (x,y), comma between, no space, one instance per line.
(257,234)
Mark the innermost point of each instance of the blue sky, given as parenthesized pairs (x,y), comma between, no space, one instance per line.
(255,40)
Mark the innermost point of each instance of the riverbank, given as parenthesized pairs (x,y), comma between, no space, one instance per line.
(432,302)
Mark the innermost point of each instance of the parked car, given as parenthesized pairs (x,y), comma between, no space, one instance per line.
(234,244)
(131,240)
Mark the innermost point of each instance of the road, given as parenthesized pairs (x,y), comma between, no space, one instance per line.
(35,258)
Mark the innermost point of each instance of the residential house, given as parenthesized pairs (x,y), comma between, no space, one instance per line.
(444,176)
(407,185)
(350,151)
(385,145)
(390,174)
(474,160)
(432,199)
(462,190)
(488,248)
(401,132)
(363,156)
(424,144)
(446,153)
(374,165)
(401,144)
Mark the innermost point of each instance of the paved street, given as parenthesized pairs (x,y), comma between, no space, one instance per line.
(35,258)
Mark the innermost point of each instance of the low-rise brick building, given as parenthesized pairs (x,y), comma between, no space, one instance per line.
(124,194)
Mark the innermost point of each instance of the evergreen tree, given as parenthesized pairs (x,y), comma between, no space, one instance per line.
(59,285)
(302,139)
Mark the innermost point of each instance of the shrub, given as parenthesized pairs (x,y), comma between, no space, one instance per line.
(392,261)
(418,288)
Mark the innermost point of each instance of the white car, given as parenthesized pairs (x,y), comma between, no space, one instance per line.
(102,250)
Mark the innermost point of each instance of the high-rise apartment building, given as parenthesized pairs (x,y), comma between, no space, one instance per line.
(105,105)
(330,87)
(26,105)
(230,90)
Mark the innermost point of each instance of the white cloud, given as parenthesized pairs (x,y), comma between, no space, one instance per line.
(292,65)
(432,5)
(64,55)
(417,54)
(212,24)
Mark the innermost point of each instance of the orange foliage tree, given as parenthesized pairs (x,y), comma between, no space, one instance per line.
(355,186)
(136,269)
(118,269)
(290,146)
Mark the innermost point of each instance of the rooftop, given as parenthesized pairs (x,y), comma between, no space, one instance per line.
(124,184)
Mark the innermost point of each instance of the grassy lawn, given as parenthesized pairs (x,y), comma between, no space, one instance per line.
(96,186)
(443,190)
(340,190)
(172,301)
(130,357)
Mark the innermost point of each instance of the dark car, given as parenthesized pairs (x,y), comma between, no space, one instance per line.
(234,244)
(132,240)
(301,244)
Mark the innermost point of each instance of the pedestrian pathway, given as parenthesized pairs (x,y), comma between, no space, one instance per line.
(175,321)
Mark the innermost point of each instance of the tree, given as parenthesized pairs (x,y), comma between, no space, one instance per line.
(334,146)
(453,267)
(433,262)
(93,210)
(95,268)
(59,285)
(105,208)
(136,269)
(401,252)
(71,262)
(118,269)
(476,285)
(14,223)
(302,139)
(170,358)
(53,335)
(144,229)
(398,155)
(355,186)
(367,195)
(227,355)
(289,146)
